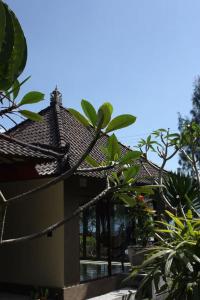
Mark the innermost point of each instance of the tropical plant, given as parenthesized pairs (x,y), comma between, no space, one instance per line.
(173,263)
(182,191)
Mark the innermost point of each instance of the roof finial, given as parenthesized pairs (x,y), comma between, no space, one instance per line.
(56,97)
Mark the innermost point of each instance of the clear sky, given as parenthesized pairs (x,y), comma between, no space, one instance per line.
(140,55)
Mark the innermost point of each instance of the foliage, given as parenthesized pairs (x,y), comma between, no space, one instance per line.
(184,121)
(13,48)
(182,191)
(174,262)
(101,119)
(142,216)
(13,57)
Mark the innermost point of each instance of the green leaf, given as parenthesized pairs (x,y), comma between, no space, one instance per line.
(15,88)
(32,97)
(2,24)
(14,51)
(31,115)
(79,116)
(169,262)
(196,258)
(129,157)
(89,111)
(131,172)
(189,214)
(105,112)
(175,219)
(148,139)
(91,161)
(120,122)
(114,177)
(127,199)
(113,147)
(6,49)
(155,256)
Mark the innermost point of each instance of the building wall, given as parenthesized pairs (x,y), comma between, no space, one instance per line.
(39,262)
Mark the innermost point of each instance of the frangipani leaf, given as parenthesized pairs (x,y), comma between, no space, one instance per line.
(91,161)
(32,97)
(31,115)
(130,156)
(89,111)
(113,148)
(79,116)
(2,24)
(105,112)
(13,54)
(131,172)
(130,201)
(120,122)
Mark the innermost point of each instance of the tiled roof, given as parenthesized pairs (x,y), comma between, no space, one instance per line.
(59,130)
(11,150)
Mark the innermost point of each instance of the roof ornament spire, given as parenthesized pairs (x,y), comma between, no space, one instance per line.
(56,97)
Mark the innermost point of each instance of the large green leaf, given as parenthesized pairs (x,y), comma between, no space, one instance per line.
(15,88)
(8,42)
(105,112)
(32,97)
(130,156)
(14,51)
(79,116)
(155,256)
(113,147)
(18,58)
(91,161)
(89,111)
(2,24)
(120,122)
(131,172)
(31,115)
(176,220)
(130,201)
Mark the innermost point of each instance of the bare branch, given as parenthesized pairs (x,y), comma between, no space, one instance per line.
(2,197)
(5,207)
(160,190)
(96,169)
(51,228)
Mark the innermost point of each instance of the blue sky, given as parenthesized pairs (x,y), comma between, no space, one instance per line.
(142,56)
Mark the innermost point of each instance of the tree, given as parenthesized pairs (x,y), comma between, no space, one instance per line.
(172,263)
(187,121)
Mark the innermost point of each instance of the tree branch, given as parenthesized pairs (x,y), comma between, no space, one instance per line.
(96,169)
(51,228)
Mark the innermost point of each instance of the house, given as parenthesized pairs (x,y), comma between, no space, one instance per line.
(31,154)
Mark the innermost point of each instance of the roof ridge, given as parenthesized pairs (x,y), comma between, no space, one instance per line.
(50,152)
(59,123)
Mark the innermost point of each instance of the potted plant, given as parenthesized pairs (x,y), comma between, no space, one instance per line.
(143,226)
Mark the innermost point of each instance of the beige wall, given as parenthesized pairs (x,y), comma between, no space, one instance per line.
(41,261)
